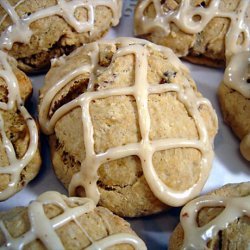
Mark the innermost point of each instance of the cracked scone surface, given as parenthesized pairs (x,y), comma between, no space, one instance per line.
(237,233)
(207,46)
(52,36)
(121,182)
(77,224)
(18,134)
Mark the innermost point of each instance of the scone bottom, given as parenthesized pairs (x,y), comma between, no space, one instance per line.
(137,136)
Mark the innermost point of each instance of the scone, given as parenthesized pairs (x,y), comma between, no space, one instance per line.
(127,126)
(234,96)
(219,220)
(203,31)
(55,221)
(34,32)
(19,154)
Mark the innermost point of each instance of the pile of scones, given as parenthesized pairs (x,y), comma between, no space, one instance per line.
(130,134)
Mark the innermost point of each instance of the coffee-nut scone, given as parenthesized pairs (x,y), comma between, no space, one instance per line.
(206,32)
(19,153)
(219,220)
(127,126)
(34,32)
(234,97)
(54,221)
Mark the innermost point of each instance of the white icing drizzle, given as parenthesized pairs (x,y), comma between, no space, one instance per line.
(115,239)
(237,73)
(16,165)
(44,229)
(184,15)
(20,30)
(197,237)
(88,175)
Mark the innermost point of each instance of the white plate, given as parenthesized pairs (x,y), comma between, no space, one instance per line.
(228,165)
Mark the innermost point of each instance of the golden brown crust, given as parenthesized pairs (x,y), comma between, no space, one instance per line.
(53,36)
(237,234)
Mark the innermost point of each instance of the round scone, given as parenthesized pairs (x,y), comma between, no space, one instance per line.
(34,32)
(203,31)
(218,220)
(54,221)
(234,96)
(19,154)
(127,126)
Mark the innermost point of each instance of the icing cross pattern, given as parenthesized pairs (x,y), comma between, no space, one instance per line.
(88,177)
(197,237)
(15,165)
(20,31)
(184,15)
(44,229)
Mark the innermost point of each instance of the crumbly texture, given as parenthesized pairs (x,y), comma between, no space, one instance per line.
(235,236)
(98,224)
(121,182)
(53,36)
(17,132)
(235,109)
(206,47)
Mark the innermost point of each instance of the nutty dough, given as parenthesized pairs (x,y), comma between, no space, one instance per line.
(121,182)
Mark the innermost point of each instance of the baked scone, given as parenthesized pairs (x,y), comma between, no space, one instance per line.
(203,31)
(34,32)
(234,96)
(19,154)
(55,221)
(127,126)
(219,220)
